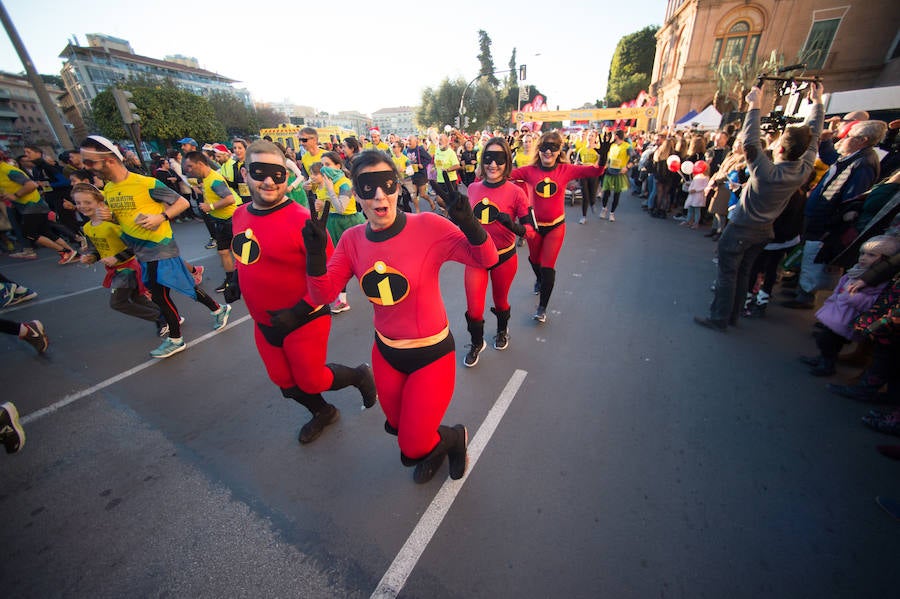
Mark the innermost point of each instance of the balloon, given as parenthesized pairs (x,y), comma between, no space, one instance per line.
(844,129)
(700,167)
(673,158)
(674,165)
(687,167)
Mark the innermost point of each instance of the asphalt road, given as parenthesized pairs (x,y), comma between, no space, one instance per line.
(642,456)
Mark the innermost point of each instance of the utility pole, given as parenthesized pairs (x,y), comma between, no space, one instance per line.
(49,106)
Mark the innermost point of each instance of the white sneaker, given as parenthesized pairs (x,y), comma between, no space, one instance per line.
(604,213)
(582,220)
(612,217)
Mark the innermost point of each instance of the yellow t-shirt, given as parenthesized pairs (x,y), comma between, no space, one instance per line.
(322,193)
(135,195)
(618,156)
(8,184)
(214,189)
(310,159)
(382,146)
(522,159)
(106,237)
(401,162)
(588,155)
(444,159)
(229,172)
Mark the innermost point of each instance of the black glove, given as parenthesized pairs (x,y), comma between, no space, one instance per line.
(232,291)
(507,221)
(315,239)
(603,152)
(460,212)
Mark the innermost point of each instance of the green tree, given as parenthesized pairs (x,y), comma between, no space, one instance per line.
(508,97)
(167,113)
(485,58)
(631,66)
(237,119)
(734,79)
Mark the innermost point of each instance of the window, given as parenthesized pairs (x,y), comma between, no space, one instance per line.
(815,51)
(739,44)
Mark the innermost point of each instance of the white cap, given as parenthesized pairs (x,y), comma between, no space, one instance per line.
(108,145)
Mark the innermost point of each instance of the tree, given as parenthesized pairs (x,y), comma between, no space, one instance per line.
(734,79)
(631,66)
(167,113)
(485,58)
(266,116)
(509,96)
(440,106)
(233,114)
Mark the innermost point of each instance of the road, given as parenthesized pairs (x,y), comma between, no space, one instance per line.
(641,455)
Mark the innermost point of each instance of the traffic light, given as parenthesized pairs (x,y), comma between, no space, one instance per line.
(522,72)
(456,121)
(125,106)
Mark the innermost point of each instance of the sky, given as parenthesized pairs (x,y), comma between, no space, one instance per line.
(349,54)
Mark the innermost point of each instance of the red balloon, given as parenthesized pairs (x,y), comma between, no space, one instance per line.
(700,167)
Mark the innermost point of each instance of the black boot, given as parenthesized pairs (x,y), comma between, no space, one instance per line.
(501,341)
(548,278)
(476,331)
(537,276)
(323,412)
(457,439)
(428,465)
(360,377)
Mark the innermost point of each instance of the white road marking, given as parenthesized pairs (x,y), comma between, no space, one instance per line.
(393,580)
(73,397)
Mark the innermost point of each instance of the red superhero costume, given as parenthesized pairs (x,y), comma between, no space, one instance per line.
(488,202)
(291,330)
(548,198)
(412,356)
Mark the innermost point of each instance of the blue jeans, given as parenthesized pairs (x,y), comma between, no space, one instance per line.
(651,187)
(738,248)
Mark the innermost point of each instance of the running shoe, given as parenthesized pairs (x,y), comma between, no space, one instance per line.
(582,220)
(35,335)
(612,217)
(198,274)
(11,431)
(7,293)
(221,287)
(339,306)
(26,254)
(501,341)
(537,287)
(471,358)
(211,244)
(22,294)
(168,347)
(67,256)
(162,327)
(604,213)
(540,314)
(220,316)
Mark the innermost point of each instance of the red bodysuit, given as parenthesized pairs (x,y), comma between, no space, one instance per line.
(271,262)
(548,198)
(487,202)
(412,357)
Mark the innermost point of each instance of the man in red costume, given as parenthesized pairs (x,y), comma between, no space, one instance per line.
(291,330)
(397,258)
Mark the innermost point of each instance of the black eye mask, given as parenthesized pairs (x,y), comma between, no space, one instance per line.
(498,158)
(549,147)
(258,171)
(368,183)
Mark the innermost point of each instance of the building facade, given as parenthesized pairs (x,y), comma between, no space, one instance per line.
(22,118)
(89,70)
(400,120)
(851,46)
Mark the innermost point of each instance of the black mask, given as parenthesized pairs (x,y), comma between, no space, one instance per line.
(368,183)
(548,147)
(495,156)
(258,171)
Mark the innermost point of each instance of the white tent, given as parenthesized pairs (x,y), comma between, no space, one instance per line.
(709,118)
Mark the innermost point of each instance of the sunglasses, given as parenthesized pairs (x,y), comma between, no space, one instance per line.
(303,140)
(367,184)
(498,158)
(259,171)
(549,147)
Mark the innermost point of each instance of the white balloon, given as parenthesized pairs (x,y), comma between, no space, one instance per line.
(687,167)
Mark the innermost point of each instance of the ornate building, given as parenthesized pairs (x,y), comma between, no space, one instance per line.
(850,45)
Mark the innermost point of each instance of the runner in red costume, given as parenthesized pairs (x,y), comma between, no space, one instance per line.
(291,330)
(397,258)
(502,208)
(548,176)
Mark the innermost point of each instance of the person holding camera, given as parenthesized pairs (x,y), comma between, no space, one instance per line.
(771,184)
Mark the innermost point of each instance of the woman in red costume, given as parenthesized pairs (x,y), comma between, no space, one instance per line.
(501,207)
(547,177)
(397,257)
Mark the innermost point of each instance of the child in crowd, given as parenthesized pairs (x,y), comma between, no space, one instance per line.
(123,272)
(843,307)
(696,199)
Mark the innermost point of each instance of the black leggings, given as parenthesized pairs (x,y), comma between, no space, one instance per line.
(589,187)
(767,263)
(161,296)
(9,327)
(615,202)
(829,344)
